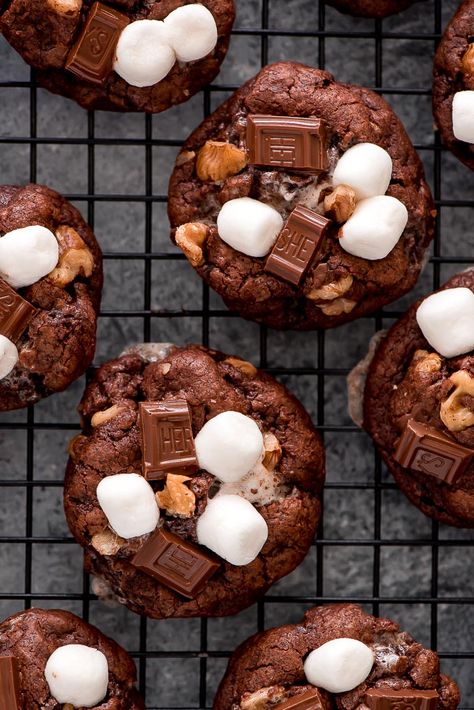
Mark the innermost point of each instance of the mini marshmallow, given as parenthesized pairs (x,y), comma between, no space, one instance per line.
(365,167)
(339,665)
(27,254)
(129,503)
(229,446)
(374,227)
(192,32)
(463,116)
(78,675)
(144,55)
(446,319)
(233,529)
(249,226)
(8,356)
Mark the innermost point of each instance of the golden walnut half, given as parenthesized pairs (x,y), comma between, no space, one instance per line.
(217,161)
(453,411)
(331,291)
(190,238)
(176,498)
(468,61)
(263,698)
(75,257)
(340,203)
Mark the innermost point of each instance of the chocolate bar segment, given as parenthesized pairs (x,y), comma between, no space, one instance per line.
(167,438)
(92,57)
(297,244)
(9,683)
(310,700)
(288,142)
(15,312)
(426,449)
(176,563)
(407,699)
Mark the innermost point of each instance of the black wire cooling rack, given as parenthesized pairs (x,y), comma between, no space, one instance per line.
(370,530)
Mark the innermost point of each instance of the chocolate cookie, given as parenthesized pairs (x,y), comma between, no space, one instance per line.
(305,665)
(50,287)
(53,659)
(301,201)
(220,461)
(419,402)
(121,56)
(453,84)
(371,8)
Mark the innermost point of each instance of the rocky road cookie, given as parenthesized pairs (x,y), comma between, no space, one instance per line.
(301,201)
(53,659)
(453,84)
(195,484)
(338,656)
(50,286)
(122,55)
(371,8)
(419,402)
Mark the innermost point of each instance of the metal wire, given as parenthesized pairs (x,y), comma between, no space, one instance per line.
(377,487)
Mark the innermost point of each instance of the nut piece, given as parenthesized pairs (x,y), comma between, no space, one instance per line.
(340,203)
(246,367)
(190,238)
(426,362)
(176,498)
(75,257)
(454,414)
(106,415)
(184,157)
(107,542)
(75,441)
(263,698)
(468,61)
(272,455)
(340,305)
(217,161)
(332,290)
(65,7)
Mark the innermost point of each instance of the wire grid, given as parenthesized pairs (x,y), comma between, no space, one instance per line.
(211,642)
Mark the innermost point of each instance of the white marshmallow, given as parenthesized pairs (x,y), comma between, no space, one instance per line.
(192,32)
(129,503)
(233,529)
(365,167)
(374,227)
(27,254)
(8,356)
(339,665)
(446,319)
(249,226)
(78,675)
(144,56)
(229,446)
(463,116)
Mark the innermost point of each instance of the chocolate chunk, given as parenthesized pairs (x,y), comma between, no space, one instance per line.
(407,699)
(167,436)
(287,142)
(311,700)
(176,563)
(15,312)
(297,244)
(426,449)
(9,684)
(92,56)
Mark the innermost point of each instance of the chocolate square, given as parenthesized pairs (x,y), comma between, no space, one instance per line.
(428,450)
(176,563)
(92,57)
(407,699)
(167,437)
(297,244)
(15,312)
(289,142)
(9,683)
(310,700)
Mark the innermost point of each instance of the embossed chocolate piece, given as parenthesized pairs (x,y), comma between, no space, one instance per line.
(9,684)
(167,436)
(15,312)
(175,563)
(92,57)
(407,699)
(297,244)
(287,142)
(423,448)
(311,700)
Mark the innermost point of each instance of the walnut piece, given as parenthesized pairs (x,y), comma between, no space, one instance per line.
(106,415)
(263,698)
(454,414)
(468,61)
(246,367)
(75,257)
(272,455)
(340,305)
(340,203)
(176,498)
(73,443)
(65,7)
(190,238)
(107,542)
(217,161)
(184,157)
(331,291)
(426,362)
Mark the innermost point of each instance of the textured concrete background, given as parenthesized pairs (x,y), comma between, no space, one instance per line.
(51,565)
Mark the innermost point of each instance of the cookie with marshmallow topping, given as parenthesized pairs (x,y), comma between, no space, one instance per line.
(63,661)
(301,201)
(340,651)
(248,502)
